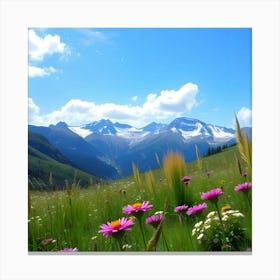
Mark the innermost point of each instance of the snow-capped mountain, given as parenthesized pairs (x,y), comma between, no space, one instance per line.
(118,145)
(189,129)
(107,128)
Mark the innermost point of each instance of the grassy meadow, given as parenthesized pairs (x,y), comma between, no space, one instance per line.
(73,217)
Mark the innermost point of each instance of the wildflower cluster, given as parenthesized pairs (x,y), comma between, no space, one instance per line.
(209,232)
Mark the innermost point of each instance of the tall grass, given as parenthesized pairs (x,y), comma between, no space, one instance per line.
(174,170)
(244,145)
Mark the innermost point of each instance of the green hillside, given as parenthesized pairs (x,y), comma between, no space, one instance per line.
(48,169)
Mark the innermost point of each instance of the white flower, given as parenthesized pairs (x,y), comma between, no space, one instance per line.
(94,237)
(229,212)
(198,224)
(207,226)
(238,215)
(207,221)
(225,218)
(200,236)
(126,246)
(193,231)
(211,214)
(159,213)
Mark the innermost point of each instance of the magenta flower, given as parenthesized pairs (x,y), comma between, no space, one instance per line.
(69,250)
(137,207)
(245,174)
(181,208)
(243,187)
(196,209)
(154,220)
(116,226)
(212,194)
(186,179)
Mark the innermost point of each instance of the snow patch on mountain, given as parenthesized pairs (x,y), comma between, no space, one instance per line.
(80,131)
(220,134)
(132,135)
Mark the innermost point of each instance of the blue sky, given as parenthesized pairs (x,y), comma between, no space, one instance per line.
(139,75)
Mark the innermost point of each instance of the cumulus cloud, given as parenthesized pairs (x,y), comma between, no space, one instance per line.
(34,71)
(134,98)
(33,113)
(157,107)
(39,47)
(244,116)
(172,101)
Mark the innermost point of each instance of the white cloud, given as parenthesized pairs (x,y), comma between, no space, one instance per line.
(39,47)
(34,71)
(244,116)
(172,101)
(33,113)
(169,103)
(134,98)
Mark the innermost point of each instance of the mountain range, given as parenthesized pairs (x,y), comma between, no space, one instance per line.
(107,150)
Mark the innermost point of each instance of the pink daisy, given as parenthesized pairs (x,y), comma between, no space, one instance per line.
(212,194)
(137,207)
(196,209)
(69,250)
(181,208)
(243,187)
(154,220)
(116,226)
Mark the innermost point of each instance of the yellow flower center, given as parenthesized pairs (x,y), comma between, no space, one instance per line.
(115,224)
(137,205)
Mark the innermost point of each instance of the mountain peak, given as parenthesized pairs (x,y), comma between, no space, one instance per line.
(103,126)
(153,126)
(60,125)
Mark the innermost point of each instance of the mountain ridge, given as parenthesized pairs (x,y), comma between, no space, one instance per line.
(117,145)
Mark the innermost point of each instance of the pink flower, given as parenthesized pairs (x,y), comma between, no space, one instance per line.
(245,174)
(154,220)
(69,250)
(116,226)
(243,187)
(197,208)
(137,207)
(181,208)
(186,179)
(212,194)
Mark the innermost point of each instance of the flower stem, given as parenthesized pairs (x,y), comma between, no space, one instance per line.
(120,242)
(142,232)
(220,218)
(188,231)
(222,224)
(248,200)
